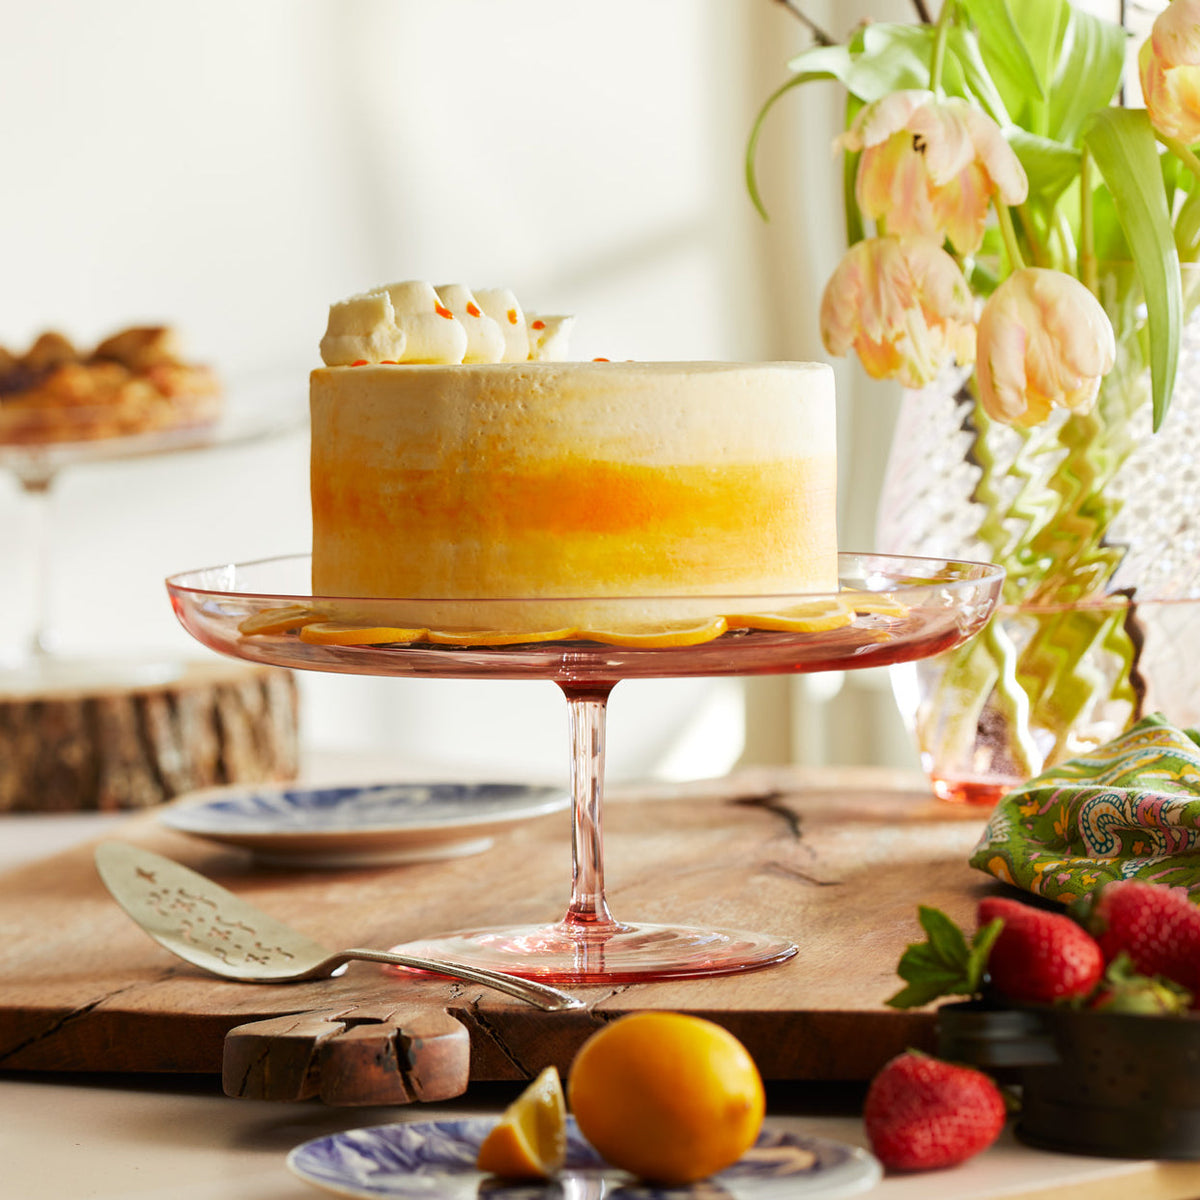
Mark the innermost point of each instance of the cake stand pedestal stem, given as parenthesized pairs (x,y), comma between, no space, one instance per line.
(587,707)
(37,489)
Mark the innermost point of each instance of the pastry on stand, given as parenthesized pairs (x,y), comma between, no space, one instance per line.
(132,382)
(127,731)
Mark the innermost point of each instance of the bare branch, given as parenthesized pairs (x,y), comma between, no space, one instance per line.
(922,12)
(819,35)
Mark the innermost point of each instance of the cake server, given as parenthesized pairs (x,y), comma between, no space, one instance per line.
(204,924)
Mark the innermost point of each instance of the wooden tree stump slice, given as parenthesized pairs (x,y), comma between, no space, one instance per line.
(129,747)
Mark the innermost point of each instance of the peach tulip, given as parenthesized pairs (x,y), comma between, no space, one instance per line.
(930,167)
(1044,342)
(904,307)
(1169,68)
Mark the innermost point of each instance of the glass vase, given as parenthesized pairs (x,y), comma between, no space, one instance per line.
(1097,521)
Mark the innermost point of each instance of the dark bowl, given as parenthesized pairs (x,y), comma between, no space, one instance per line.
(1098,1083)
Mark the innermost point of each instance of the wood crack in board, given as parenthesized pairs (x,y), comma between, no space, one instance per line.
(480,1021)
(791,872)
(772,802)
(516,1042)
(57,1025)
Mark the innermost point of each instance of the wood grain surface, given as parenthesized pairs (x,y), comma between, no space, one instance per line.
(835,860)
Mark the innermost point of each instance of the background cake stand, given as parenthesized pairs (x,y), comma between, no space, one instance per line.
(931,605)
(255,410)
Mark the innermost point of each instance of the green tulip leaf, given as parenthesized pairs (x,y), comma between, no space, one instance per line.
(964,46)
(1006,47)
(880,59)
(821,62)
(749,168)
(1088,74)
(1051,166)
(1108,237)
(1041,24)
(1122,142)
(888,58)
(854,218)
(1187,228)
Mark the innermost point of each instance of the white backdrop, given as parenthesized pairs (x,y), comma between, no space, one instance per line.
(232,167)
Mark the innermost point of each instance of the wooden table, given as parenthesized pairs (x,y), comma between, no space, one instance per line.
(120,1133)
(839,871)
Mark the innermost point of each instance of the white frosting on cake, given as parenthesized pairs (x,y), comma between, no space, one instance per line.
(414,322)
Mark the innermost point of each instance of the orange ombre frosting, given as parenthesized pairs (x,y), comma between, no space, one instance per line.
(565,480)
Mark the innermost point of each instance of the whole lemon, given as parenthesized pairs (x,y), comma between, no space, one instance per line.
(669,1097)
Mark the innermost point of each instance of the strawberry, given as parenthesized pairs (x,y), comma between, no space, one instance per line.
(1126,991)
(1157,926)
(1039,956)
(922,1113)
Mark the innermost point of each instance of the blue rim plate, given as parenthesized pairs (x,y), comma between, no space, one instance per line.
(437,1158)
(360,824)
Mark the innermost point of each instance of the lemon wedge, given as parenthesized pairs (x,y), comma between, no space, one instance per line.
(332,633)
(278,620)
(530,1139)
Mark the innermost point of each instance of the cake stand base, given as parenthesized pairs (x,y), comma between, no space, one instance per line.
(608,953)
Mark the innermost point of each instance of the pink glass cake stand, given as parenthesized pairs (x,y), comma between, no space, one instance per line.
(926,606)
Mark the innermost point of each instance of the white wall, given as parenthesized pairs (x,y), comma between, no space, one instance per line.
(234,166)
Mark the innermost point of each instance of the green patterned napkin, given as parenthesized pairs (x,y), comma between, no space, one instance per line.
(1128,810)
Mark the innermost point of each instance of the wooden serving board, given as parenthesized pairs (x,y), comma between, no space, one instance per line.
(836,861)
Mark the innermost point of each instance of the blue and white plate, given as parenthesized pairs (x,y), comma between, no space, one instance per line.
(360,824)
(437,1158)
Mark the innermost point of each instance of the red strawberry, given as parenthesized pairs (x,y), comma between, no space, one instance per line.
(1157,926)
(922,1113)
(1039,956)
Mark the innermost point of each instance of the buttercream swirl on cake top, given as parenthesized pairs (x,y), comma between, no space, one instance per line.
(415,322)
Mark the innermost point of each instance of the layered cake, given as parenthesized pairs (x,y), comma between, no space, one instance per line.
(135,381)
(468,465)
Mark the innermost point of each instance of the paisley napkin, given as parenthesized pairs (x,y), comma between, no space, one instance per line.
(1129,809)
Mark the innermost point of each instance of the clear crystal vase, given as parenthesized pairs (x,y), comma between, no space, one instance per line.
(1097,521)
